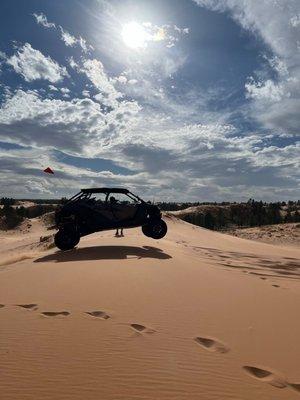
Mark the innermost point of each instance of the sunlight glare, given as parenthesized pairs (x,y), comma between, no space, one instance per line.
(134,35)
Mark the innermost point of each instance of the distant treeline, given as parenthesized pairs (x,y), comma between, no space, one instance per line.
(209,215)
(35,201)
(175,206)
(224,215)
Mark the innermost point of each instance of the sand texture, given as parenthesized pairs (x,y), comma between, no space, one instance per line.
(282,234)
(196,315)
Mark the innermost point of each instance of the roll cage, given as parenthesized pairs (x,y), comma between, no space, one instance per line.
(86,194)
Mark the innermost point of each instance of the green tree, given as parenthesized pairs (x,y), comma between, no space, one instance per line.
(11,217)
(6,201)
(288,217)
(209,221)
(296,216)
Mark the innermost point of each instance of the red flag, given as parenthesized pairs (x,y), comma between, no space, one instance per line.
(48,170)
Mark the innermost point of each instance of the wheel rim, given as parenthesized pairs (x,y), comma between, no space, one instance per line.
(157,229)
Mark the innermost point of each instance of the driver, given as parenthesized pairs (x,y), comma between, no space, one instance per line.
(113,200)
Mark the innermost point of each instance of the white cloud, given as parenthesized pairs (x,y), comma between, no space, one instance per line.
(181,30)
(279,66)
(79,126)
(268,91)
(281,35)
(41,19)
(94,70)
(73,64)
(172,162)
(32,65)
(204,157)
(295,21)
(83,44)
(66,37)
(278,157)
(121,79)
(167,34)
(256,16)
(65,90)
(53,88)
(72,41)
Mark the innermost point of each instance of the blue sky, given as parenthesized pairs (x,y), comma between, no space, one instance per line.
(177,99)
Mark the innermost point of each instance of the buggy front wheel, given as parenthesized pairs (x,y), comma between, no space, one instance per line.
(66,239)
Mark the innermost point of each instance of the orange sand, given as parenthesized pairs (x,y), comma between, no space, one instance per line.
(196,315)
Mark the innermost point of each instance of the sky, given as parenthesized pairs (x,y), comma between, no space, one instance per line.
(177,100)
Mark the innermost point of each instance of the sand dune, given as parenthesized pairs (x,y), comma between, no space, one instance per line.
(283,234)
(196,315)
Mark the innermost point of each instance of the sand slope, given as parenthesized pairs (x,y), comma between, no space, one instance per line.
(283,234)
(197,315)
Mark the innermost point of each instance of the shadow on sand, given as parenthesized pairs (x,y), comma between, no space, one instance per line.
(105,253)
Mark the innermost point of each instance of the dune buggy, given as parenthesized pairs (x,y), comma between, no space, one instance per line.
(98,209)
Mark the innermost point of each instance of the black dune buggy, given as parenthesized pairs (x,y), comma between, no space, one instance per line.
(97,209)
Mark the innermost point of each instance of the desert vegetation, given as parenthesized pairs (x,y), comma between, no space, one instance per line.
(219,216)
(14,212)
(215,216)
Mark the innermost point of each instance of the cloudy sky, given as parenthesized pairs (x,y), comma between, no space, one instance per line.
(176,99)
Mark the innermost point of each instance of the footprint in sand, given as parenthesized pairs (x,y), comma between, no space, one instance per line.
(55,313)
(212,345)
(141,328)
(266,376)
(98,314)
(30,306)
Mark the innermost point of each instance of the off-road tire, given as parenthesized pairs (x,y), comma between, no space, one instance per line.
(66,239)
(156,229)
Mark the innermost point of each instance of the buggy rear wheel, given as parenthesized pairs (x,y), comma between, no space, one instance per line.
(66,239)
(156,229)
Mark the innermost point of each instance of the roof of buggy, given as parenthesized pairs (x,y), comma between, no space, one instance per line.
(105,190)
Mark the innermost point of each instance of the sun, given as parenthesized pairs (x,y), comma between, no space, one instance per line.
(134,35)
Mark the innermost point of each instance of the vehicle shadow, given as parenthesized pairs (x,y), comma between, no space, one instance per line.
(105,253)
